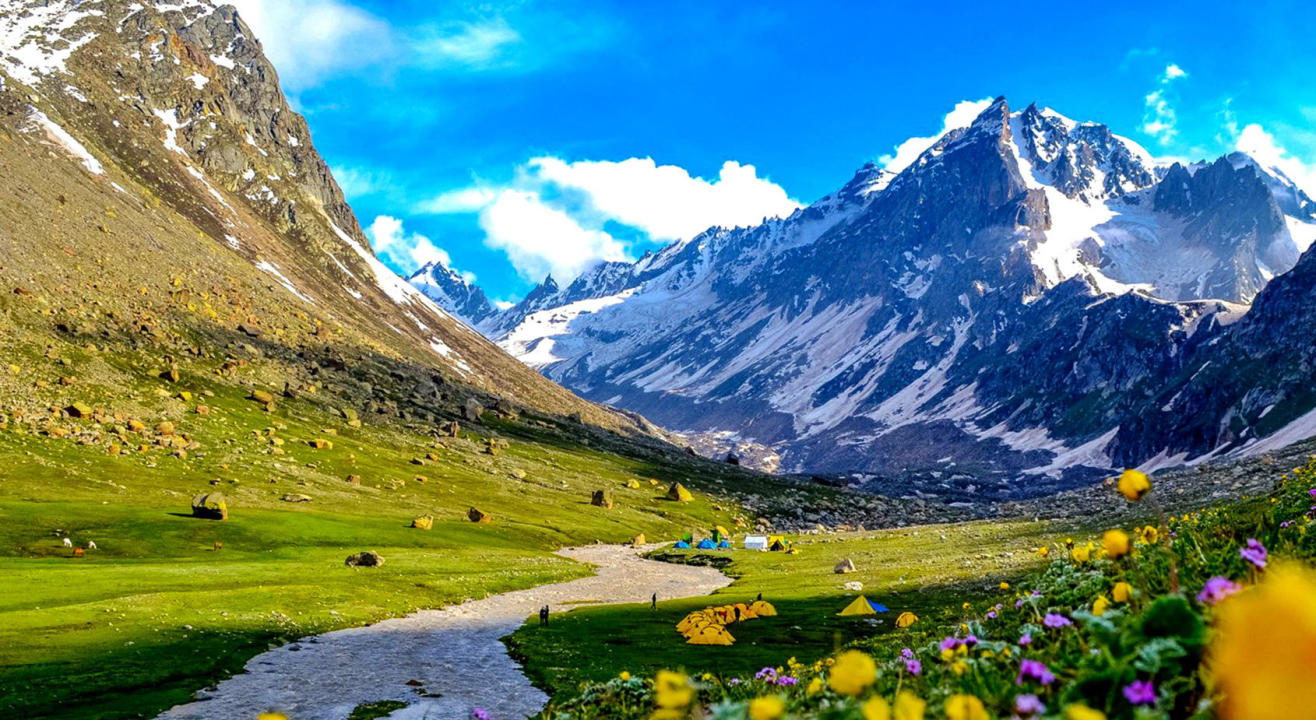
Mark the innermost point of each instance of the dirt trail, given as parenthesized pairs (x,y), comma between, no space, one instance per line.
(455,652)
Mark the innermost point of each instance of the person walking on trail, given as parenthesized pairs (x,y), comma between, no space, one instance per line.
(543,616)
(654,602)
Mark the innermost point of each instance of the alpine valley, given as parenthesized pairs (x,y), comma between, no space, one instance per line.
(1029,304)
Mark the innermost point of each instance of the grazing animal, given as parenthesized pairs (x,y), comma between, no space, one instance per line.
(91,544)
(68,542)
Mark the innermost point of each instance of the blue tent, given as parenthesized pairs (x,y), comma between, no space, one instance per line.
(878,607)
(724,545)
(682,545)
(706,544)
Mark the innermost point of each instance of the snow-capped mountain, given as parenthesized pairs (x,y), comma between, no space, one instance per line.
(986,317)
(452,292)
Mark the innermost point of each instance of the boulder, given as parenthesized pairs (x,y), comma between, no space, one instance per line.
(354,479)
(479,516)
(854,586)
(638,540)
(321,444)
(678,493)
(424,522)
(369,558)
(473,410)
(211,506)
(79,410)
(843,567)
(295,498)
(263,397)
(165,428)
(601,498)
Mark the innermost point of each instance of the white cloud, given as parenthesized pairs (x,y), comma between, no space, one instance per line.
(1261,145)
(356,183)
(1160,120)
(474,44)
(553,217)
(403,250)
(308,40)
(540,239)
(907,152)
(311,40)
(664,200)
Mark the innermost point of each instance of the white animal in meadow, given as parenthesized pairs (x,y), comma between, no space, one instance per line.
(68,542)
(91,544)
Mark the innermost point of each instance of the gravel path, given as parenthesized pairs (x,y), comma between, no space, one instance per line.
(455,653)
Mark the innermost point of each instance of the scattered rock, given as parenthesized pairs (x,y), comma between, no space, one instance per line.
(844,567)
(479,516)
(473,410)
(678,493)
(601,498)
(263,397)
(354,479)
(424,522)
(638,540)
(79,410)
(295,498)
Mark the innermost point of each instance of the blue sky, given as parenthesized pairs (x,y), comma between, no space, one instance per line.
(515,138)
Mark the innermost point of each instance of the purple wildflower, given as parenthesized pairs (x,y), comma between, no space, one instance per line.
(914,667)
(1055,620)
(1217,589)
(991,614)
(951,643)
(1140,692)
(1018,603)
(767,673)
(1034,670)
(1254,553)
(1028,706)
(734,681)
(1286,523)
(1025,640)
(971,640)
(480,714)
(786,680)
(1312,492)
(907,654)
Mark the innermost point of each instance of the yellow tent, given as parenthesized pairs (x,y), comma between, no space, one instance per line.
(860,606)
(711,635)
(746,612)
(762,608)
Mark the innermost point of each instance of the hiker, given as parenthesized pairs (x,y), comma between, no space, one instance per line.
(737,609)
(543,616)
(759,598)
(654,602)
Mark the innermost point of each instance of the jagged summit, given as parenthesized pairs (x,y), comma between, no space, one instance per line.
(985,318)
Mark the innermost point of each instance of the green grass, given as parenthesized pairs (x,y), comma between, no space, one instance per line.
(925,570)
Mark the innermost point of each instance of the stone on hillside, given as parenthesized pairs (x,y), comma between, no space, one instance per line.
(349,415)
(354,479)
(678,493)
(843,567)
(170,374)
(424,522)
(451,428)
(211,506)
(518,473)
(476,515)
(263,397)
(79,410)
(136,425)
(854,586)
(473,410)
(295,498)
(638,540)
(321,444)
(602,499)
(633,484)
(369,558)
(165,428)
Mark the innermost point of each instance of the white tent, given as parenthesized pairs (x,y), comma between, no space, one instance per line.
(756,542)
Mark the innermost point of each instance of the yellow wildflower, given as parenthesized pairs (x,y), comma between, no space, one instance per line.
(852,672)
(1005,585)
(1100,605)
(625,675)
(1133,484)
(769,707)
(271,716)
(1148,535)
(876,709)
(671,690)
(815,686)
(1122,592)
(1265,642)
(1083,712)
(1044,551)
(906,619)
(965,707)
(909,706)
(959,667)
(1116,544)
(1082,554)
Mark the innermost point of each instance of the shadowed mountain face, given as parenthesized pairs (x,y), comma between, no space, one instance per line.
(990,320)
(165,187)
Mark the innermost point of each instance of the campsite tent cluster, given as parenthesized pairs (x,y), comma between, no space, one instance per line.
(709,626)
(718,539)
